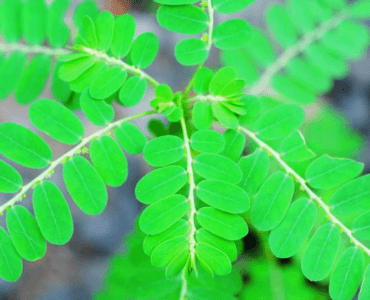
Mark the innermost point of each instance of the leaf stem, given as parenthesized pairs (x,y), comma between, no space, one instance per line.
(304,186)
(70,153)
(4,47)
(210,26)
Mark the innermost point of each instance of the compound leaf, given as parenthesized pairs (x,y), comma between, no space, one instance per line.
(232,34)
(132,91)
(214,258)
(130,138)
(10,179)
(107,83)
(144,50)
(207,141)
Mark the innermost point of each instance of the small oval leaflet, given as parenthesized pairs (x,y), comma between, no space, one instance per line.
(162,214)
(109,160)
(89,32)
(230,6)
(52,213)
(202,78)
(365,287)
(207,141)
(222,77)
(191,52)
(234,144)
(10,179)
(164,253)
(35,13)
(214,258)
(130,138)
(25,233)
(73,69)
(177,264)
(232,34)
(320,254)
(160,184)
(56,120)
(105,30)
(132,91)
(225,116)
(107,83)
(144,50)
(23,146)
(293,148)
(230,227)
(202,115)
(78,85)
(223,196)
(361,226)
(215,166)
(164,150)
(85,185)
(11,264)
(123,36)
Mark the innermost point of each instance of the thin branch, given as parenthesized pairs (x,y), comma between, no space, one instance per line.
(210,25)
(31,49)
(304,186)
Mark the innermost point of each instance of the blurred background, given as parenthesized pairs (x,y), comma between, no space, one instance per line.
(75,271)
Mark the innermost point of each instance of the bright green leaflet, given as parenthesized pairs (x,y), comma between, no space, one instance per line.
(214,258)
(25,233)
(360,9)
(74,68)
(221,79)
(279,121)
(107,83)
(89,8)
(144,50)
(10,14)
(288,237)
(162,214)
(230,6)
(177,264)
(157,128)
(202,115)
(352,197)
(57,31)
(293,148)
(59,88)
(361,226)
(105,30)
(33,79)
(52,213)
(234,87)
(319,256)
(223,196)
(326,172)
(78,85)
(109,160)
(164,91)
(254,170)
(89,32)
(56,120)
(97,112)
(11,265)
(185,19)
(347,274)
(202,78)
(132,91)
(301,16)
(10,179)
(23,146)
(232,34)
(191,52)
(215,166)
(224,115)
(130,138)
(207,141)
(227,226)
(164,150)
(175,115)
(34,12)
(85,185)
(160,184)
(177,229)
(176,2)
(165,252)
(253,108)
(365,288)
(124,32)
(234,144)
(272,201)
(72,56)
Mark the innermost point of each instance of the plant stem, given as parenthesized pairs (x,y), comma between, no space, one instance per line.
(31,49)
(304,186)
(210,26)
(70,153)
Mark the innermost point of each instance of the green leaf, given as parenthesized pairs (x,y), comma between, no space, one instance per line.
(84,81)
(34,21)
(191,52)
(207,141)
(221,79)
(234,144)
(279,121)
(109,160)
(230,6)
(214,258)
(227,226)
(74,68)
(89,32)
(232,34)
(272,201)
(124,32)
(132,91)
(162,214)
(361,226)
(10,72)
(215,166)
(130,138)
(233,88)
(59,88)
(164,91)
(352,197)
(52,213)
(185,19)
(253,107)
(288,237)
(105,30)
(175,115)
(97,112)
(164,253)
(176,2)
(301,16)
(58,32)
(33,79)
(223,196)
(177,264)
(25,233)
(85,185)
(365,287)
(319,256)
(202,79)
(326,172)
(10,180)
(11,265)
(347,274)
(89,8)
(160,184)
(224,115)
(360,9)
(144,50)
(157,128)
(293,148)
(56,120)
(23,146)
(164,150)
(254,170)
(177,229)
(202,115)
(107,83)
(10,16)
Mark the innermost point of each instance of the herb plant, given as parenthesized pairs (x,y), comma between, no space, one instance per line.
(232,157)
